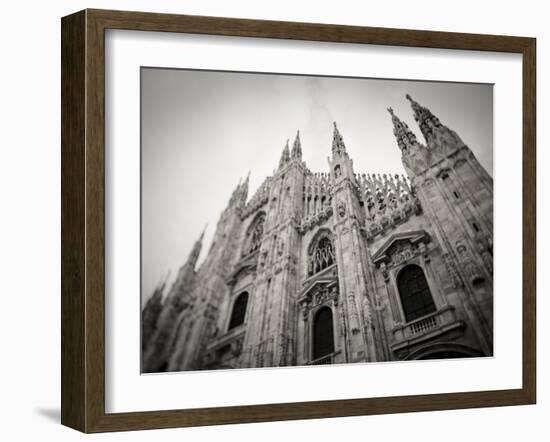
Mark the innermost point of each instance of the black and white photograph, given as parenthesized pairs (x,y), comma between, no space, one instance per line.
(270,221)
(294,220)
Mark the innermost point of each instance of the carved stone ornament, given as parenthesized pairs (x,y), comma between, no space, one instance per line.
(472,270)
(451,270)
(280,247)
(353,313)
(384,271)
(263,258)
(402,253)
(318,295)
(341,208)
(402,247)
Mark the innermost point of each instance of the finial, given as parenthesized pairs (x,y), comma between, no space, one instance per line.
(204,230)
(338,146)
(390,110)
(408,97)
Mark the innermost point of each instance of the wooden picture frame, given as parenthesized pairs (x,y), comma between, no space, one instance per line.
(83,220)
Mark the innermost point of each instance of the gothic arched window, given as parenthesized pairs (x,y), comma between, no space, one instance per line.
(323,333)
(239,310)
(414,292)
(321,257)
(254,235)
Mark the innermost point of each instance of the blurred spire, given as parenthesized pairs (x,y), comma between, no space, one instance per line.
(338,146)
(427,121)
(404,136)
(297,147)
(285,156)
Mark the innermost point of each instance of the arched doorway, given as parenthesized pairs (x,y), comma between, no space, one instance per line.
(323,333)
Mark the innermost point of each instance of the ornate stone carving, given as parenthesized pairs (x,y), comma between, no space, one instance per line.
(389,200)
(319,294)
(423,250)
(367,309)
(341,208)
(342,320)
(254,235)
(385,273)
(484,248)
(311,221)
(402,247)
(353,314)
(402,253)
(451,270)
(280,247)
(259,199)
(263,259)
(471,269)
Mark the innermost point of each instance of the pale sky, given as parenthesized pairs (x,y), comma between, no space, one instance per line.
(202,131)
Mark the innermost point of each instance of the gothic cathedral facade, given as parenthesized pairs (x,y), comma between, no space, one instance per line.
(339,267)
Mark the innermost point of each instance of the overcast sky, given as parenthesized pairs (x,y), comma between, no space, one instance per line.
(202,131)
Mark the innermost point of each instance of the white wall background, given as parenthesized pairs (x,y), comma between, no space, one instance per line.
(30,221)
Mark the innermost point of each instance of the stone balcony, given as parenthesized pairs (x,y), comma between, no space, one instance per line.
(426,328)
(225,348)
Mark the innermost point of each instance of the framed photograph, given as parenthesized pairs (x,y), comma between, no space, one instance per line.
(268,220)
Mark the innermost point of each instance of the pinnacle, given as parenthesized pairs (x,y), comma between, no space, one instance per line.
(338,146)
(285,155)
(424,117)
(297,146)
(403,134)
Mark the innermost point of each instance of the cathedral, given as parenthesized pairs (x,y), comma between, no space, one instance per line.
(338,266)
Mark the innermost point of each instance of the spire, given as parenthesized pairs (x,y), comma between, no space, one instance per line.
(196,250)
(424,117)
(162,283)
(244,189)
(338,146)
(156,297)
(404,136)
(285,156)
(239,194)
(440,139)
(415,156)
(297,147)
